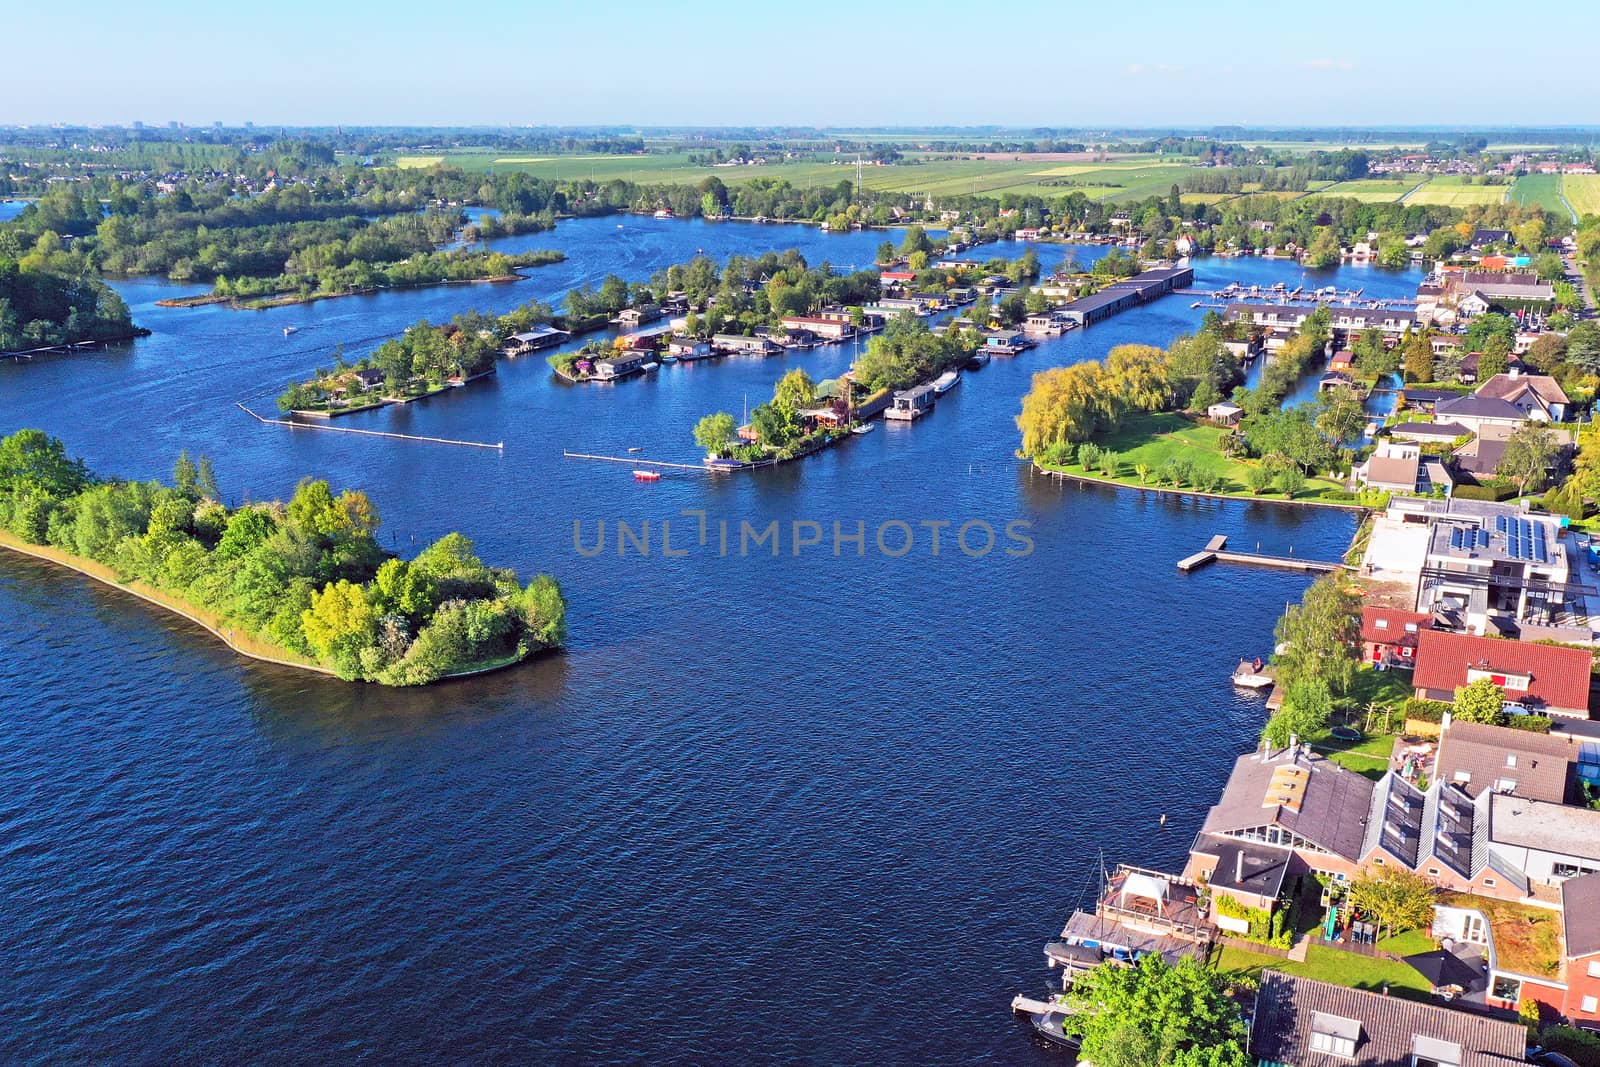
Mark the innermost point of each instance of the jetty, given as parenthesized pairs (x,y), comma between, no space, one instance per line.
(1216,551)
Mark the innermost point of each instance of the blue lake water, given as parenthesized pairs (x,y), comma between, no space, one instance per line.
(766,809)
(10,209)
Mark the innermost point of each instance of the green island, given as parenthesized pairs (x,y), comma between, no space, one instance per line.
(422,361)
(40,309)
(355,278)
(304,584)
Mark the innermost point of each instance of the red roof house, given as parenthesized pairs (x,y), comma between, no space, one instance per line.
(1390,637)
(1546,678)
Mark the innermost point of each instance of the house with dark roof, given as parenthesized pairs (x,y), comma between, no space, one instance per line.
(1426,400)
(1580,912)
(1301,1022)
(1482,238)
(1477,412)
(1389,636)
(1475,757)
(1541,679)
(1441,433)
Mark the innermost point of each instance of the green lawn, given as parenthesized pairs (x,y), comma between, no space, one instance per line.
(1451,190)
(1582,192)
(1372,190)
(1151,440)
(1542,190)
(1329,965)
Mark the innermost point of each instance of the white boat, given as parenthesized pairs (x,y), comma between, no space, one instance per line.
(652,365)
(287,330)
(669,358)
(663,214)
(864,428)
(946,382)
(1253,674)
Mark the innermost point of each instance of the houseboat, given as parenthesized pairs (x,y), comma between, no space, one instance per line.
(909,404)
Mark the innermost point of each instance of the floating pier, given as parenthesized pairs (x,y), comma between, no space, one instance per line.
(1216,552)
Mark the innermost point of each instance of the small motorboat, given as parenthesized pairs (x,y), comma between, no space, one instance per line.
(651,366)
(647,476)
(946,382)
(864,428)
(669,358)
(636,448)
(287,330)
(1253,674)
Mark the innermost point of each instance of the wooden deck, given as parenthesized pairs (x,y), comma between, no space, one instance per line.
(1216,552)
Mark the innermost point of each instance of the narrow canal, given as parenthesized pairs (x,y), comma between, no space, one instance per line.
(766,809)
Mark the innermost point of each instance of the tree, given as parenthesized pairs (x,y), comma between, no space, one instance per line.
(1321,636)
(1531,451)
(1307,706)
(338,625)
(1398,899)
(1418,361)
(1547,350)
(1583,346)
(1291,480)
(713,432)
(1480,701)
(186,476)
(1155,1014)
(1259,478)
(1343,415)
(206,480)
(794,390)
(1139,375)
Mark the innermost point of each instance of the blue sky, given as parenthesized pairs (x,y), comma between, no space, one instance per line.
(825,62)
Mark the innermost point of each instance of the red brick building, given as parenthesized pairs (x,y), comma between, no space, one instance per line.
(1390,637)
(1544,679)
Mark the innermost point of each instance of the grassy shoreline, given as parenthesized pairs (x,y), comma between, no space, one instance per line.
(244,644)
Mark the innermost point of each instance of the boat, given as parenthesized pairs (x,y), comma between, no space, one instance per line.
(1253,674)
(864,428)
(978,359)
(636,448)
(669,358)
(946,382)
(287,330)
(647,476)
(651,366)
(663,214)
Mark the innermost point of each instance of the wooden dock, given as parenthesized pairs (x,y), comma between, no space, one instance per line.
(1216,552)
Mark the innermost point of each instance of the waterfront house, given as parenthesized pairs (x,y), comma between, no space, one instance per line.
(1005,342)
(630,318)
(1302,1022)
(369,378)
(688,348)
(912,403)
(610,368)
(1389,636)
(738,344)
(1538,679)
(520,344)
(1048,323)
(1343,360)
(1334,380)
(818,326)
(1138,913)
(1398,466)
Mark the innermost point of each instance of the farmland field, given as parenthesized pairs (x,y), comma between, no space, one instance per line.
(1371,190)
(1582,192)
(1450,191)
(1542,190)
(1112,180)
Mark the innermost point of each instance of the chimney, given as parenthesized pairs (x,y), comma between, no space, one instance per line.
(1238,867)
(1294,743)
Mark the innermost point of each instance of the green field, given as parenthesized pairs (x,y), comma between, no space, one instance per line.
(1582,192)
(1113,180)
(1371,190)
(1542,190)
(1451,190)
